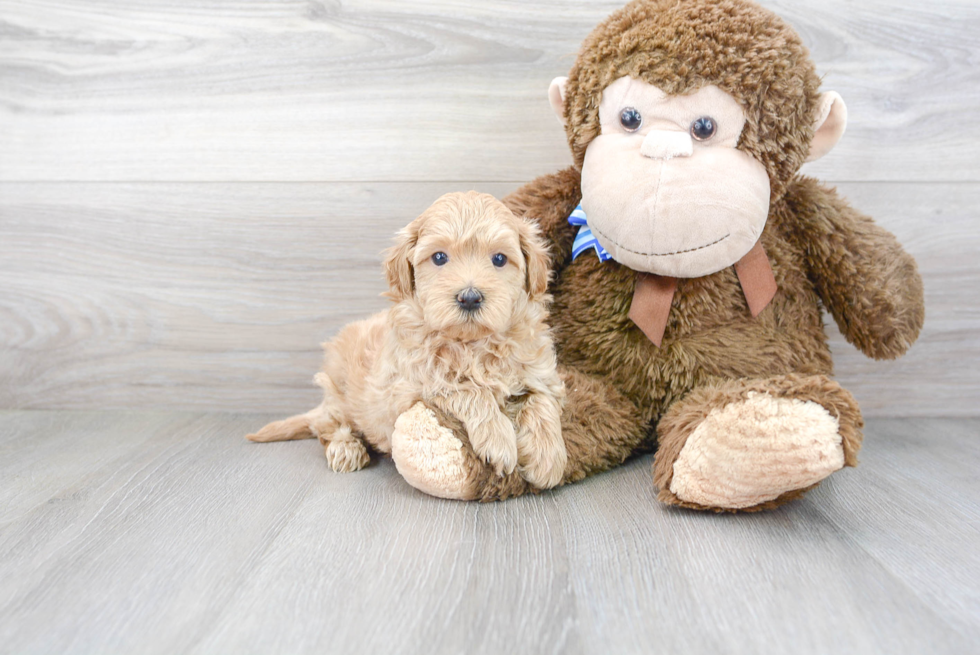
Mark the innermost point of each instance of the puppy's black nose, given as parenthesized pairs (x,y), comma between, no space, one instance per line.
(469,299)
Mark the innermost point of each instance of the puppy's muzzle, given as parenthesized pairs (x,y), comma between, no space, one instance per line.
(469,299)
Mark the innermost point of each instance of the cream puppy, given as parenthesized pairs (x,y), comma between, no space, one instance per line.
(466,335)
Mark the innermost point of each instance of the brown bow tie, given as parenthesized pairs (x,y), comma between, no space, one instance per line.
(655,293)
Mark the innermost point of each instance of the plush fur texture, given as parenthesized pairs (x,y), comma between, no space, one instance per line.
(686,416)
(624,392)
(592,409)
(721,463)
(738,46)
(493,368)
(429,456)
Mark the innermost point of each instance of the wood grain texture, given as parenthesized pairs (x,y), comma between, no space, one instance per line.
(123,293)
(903,486)
(187,295)
(41,457)
(216,297)
(199,542)
(386,90)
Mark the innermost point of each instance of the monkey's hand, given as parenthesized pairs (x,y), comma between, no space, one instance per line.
(868,282)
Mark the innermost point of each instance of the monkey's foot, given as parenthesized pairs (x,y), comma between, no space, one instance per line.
(433,454)
(430,457)
(755,445)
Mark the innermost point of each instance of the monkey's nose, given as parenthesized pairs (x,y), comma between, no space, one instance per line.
(469,299)
(667,144)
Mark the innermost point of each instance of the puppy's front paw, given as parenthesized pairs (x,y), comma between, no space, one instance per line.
(346,455)
(544,465)
(495,441)
(541,449)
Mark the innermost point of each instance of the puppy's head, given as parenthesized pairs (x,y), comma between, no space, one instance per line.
(471,264)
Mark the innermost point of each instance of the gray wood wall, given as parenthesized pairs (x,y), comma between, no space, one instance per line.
(193,195)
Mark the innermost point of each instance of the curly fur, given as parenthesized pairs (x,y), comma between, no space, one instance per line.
(492,369)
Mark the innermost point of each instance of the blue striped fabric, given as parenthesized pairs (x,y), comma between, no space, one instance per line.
(584,239)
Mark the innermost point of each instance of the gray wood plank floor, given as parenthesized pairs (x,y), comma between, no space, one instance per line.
(143,532)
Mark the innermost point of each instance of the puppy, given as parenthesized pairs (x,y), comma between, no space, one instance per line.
(466,335)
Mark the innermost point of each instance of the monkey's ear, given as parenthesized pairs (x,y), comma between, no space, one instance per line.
(398,262)
(536,259)
(829,126)
(556,96)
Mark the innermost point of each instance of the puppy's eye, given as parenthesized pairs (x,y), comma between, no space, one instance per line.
(630,119)
(440,258)
(704,128)
(499,260)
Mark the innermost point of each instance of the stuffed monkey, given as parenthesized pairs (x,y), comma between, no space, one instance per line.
(691,264)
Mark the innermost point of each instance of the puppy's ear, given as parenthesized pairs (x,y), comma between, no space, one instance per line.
(398,262)
(536,258)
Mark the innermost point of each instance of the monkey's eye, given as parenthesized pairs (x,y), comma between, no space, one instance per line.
(703,128)
(440,258)
(630,119)
(499,260)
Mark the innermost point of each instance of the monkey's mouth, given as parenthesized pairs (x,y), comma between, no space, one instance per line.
(656,254)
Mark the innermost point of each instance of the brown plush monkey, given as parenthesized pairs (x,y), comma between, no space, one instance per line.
(689,285)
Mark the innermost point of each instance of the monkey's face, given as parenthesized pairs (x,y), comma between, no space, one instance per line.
(664,188)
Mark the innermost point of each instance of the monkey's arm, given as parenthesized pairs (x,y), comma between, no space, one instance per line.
(549,200)
(864,277)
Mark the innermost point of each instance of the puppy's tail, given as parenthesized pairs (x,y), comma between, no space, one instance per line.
(301,425)
(294,427)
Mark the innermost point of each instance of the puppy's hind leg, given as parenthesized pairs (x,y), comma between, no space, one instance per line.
(345,451)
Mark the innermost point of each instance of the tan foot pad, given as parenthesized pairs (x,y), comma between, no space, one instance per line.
(755,450)
(429,456)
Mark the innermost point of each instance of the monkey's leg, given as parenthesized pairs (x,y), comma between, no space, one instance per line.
(600,427)
(748,445)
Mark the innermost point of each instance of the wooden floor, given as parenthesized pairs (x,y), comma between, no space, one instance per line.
(144,532)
